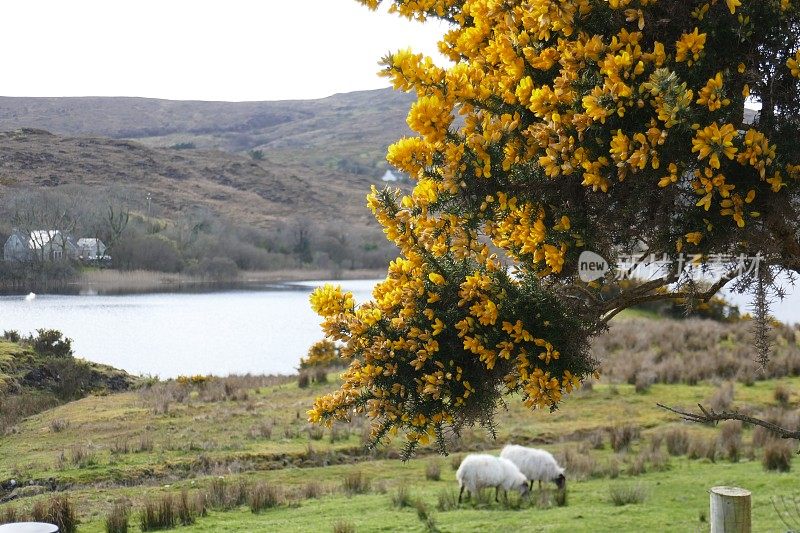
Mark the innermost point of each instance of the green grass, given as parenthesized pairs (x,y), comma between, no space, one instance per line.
(195,441)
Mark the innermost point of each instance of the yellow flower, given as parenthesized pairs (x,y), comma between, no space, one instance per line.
(794,64)
(436,278)
(733,4)
(694,237)
(713,141)
(689,46)
(712,94)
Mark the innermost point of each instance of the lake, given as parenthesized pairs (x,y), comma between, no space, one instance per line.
(265,330)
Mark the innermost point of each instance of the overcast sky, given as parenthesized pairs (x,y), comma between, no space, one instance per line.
(199,49)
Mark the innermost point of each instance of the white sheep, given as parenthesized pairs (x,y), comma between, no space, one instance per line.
(479,471)
(536,465)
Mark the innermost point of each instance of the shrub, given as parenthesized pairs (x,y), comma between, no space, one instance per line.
(263,430)
(722,399)
(8,515)
(120,446)
(596,439)
(311,490)
(677,440)
(303,380)
(315,432)
(621,437)
(638,466)
(625,494)
(656,439)
(145,443)
(729,440)
(185,509)
(455,461)
(447,500)
(81,456)
(402,498)
(158,514)
(700,447)
(263,496)
(11,335)
(117,519)
(321,375)
(343,526)
(355,483)
(426,516)
(433,470)
(579,465)
(782,395)
(57,425)
(643,382)
(59,511)
(777,455)
(51,343)
(225,496)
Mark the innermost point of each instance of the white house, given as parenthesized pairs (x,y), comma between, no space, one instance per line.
(50,245)
(90,249)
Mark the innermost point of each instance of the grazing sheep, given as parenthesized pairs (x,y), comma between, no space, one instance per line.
(479,471)
(536,465)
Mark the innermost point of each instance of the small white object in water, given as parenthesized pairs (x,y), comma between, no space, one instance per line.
(30,297)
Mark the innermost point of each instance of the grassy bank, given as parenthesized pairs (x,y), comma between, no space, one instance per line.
(170,437)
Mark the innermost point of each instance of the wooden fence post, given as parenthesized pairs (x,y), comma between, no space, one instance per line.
(730,510)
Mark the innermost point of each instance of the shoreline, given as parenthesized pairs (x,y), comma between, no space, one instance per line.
(140,281)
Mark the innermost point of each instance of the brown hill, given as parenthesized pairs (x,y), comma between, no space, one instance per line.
(236,187)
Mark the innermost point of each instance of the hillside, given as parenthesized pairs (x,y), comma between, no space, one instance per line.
(236,187)
(347,133)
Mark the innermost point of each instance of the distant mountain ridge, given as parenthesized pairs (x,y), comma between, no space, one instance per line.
(232,126)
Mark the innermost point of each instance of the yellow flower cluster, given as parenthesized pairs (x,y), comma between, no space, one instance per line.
(322,353)
(550,113)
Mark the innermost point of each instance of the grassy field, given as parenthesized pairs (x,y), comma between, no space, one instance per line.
(131,447)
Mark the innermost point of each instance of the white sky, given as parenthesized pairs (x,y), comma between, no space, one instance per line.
(199,49)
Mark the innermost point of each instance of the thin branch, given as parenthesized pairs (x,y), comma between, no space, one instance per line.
(709,416)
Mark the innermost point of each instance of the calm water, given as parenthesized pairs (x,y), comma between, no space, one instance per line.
(260,331)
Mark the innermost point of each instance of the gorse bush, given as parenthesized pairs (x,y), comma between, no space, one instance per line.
(52,343)
(11,335)
(560,128)
(322,353)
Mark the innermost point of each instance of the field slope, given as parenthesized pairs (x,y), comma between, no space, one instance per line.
(250,431)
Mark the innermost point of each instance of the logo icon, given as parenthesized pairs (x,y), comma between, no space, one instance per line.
(592,267)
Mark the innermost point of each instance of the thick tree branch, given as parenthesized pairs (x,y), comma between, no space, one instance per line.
(709,416)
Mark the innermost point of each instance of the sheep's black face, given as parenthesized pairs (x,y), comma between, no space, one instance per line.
(523,489)
(560,481)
